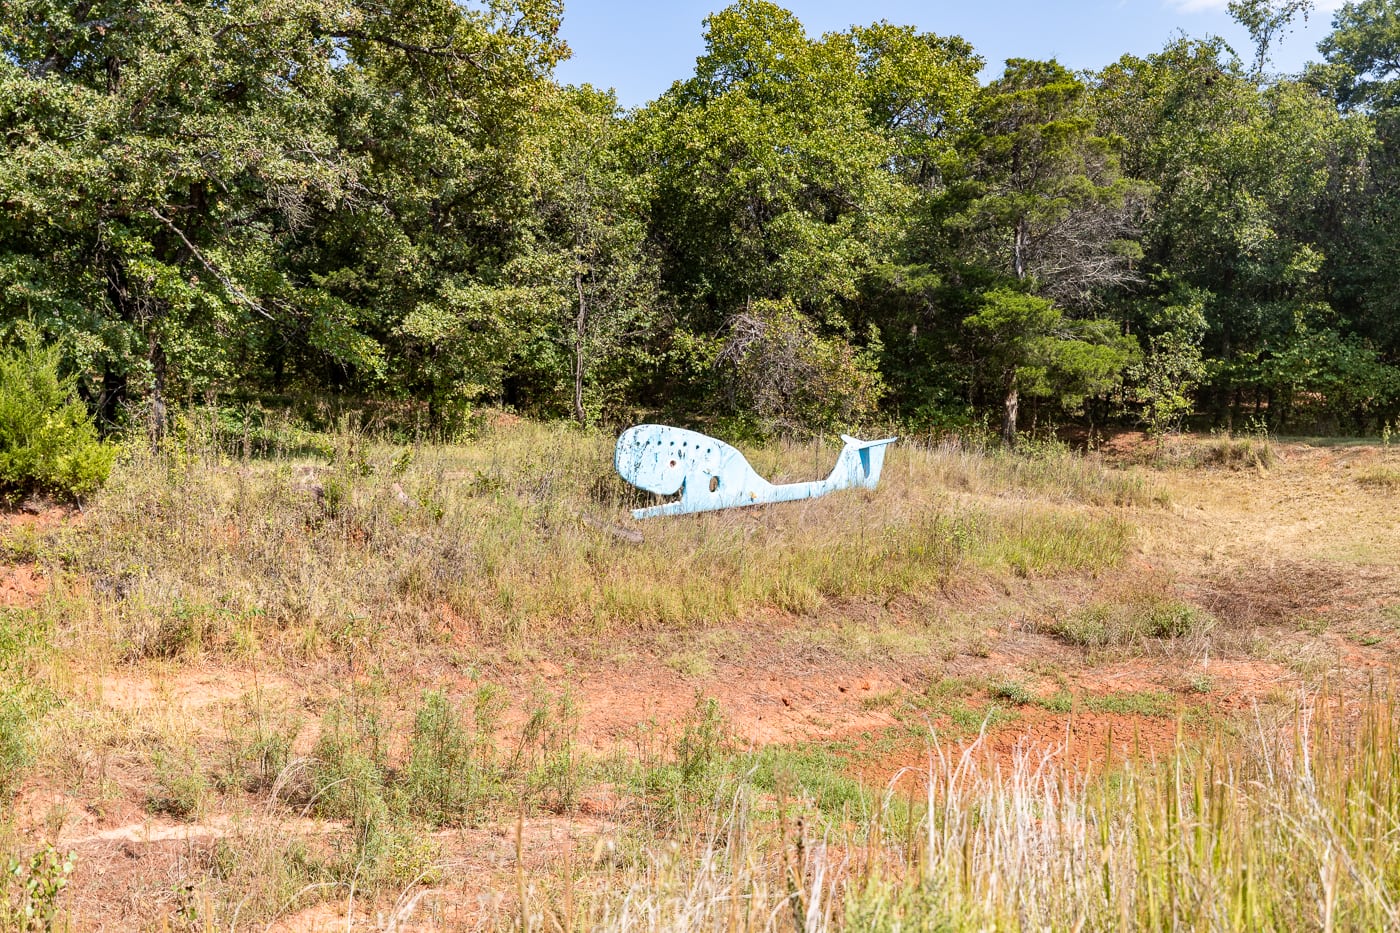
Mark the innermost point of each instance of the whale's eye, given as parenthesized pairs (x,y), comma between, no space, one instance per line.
(714,484)
(673,463)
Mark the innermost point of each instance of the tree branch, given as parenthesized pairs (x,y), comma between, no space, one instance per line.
(439,51)
(224,280)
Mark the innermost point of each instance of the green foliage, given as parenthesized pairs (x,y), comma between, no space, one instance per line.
(273,200)
(29,889)
(48,442)
(1165,378)
(1029,346)
(452,773)
(769,177)
(1244,176)
(1363,52)
(1266,21)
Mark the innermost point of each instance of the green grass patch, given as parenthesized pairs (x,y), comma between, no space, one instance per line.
(1134,703)
(23,701)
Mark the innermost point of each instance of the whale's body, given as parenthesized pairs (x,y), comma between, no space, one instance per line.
(709,474)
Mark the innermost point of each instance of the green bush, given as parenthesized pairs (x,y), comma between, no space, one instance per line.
(48,442)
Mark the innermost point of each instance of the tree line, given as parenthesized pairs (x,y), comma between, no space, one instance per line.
(243,199)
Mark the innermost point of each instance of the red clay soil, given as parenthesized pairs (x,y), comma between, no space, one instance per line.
(21,586)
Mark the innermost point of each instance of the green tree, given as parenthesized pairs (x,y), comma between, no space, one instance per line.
(1165,378)
(1363,54)
(197,190)
(48,443)
(1029,347)
(1247,181)
(770,181)
(1043,204)
(1267,21)
(593,213)
(1045,201)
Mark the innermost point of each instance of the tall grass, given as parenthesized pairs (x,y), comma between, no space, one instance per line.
(200,546)
(1294,830)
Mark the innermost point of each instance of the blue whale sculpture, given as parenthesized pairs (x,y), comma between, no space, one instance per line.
(709,474)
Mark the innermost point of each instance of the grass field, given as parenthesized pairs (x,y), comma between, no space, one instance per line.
(271,679)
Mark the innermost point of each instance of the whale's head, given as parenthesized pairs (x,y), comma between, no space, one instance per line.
(658,458)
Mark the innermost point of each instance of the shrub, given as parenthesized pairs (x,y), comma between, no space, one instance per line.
(47,440)
(786,374)
(1130,623)
(29,889)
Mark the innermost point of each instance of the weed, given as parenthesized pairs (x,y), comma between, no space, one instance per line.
(813,771)
(884,699)
(1061,701)
(690,663)
(258,743)
(1012,691)
(546,757)
(451,776)
(1379,477)
(971,720)
(702,741)
(180,788)
(29,889)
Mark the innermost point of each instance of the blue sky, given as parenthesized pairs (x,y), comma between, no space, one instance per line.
(640,46)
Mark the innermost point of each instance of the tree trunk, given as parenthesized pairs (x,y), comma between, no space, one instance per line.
(1018,251)
(110,400)
(580,329)
(157,412)
(1008,421)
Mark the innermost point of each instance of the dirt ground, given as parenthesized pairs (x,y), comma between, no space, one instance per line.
(1298,563)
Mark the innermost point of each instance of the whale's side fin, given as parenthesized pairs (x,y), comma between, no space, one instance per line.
(860,462)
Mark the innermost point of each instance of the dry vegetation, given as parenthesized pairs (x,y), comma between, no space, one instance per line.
(276,678)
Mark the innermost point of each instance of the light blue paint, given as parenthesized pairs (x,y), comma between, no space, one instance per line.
(710,475)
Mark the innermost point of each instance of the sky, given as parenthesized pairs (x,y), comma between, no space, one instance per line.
(638,47)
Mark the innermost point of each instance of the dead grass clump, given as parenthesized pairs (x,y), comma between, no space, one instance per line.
(259,732)
(1271,594)
(1237,453)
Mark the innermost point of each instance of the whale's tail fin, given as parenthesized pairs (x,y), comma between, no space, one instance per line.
(860,462)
